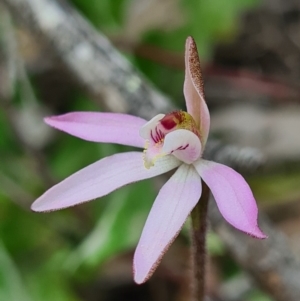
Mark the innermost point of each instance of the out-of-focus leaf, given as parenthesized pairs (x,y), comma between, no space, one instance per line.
(214,244)
(119,226)
(107,14)
(6,134)
(117,9)
(11,284)
(166,79)
(215,20)
(21,169)
(208,22)
(72,154)
(266,189)
(20,231)
(258,296)
(98,12)
(48,282)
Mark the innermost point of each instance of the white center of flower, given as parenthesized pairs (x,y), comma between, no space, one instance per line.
(172,134)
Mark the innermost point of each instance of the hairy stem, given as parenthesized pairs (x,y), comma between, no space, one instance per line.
(199,216)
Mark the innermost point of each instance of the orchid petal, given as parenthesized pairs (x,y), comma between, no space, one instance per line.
(171,208)
(146,131)
(101,178)
(194,90)
(232,194)
(183,144)
(100,127)
(152,152)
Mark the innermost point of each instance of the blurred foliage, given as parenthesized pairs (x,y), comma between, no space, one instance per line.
(11,285)
(208,22)
(258,296)
(117,228)
(105,14)
(267,190)
(42,254)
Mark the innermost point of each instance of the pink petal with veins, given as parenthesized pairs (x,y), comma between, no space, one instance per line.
(233,196)
(194,90)
(170,210)
(152,152)
(101,178)
(152,130)
(100,127)
(183,144)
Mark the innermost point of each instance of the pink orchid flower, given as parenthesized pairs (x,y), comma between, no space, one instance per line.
(176,140)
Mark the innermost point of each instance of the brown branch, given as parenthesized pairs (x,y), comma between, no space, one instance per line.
(97,66)
(242,81)
(8,66)
(89,56)
(12,70)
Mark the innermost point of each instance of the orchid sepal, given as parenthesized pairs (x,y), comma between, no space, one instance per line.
(194,90)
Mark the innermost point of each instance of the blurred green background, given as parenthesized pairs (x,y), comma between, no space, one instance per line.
(85,252)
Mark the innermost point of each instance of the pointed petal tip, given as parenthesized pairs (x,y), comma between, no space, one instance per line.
(194,89)
(257,233)
(233,196)
(169,212)
(189,40)
(140,271)
(36,207)
(47,119)
(138,279)
(254,232)
(50,120)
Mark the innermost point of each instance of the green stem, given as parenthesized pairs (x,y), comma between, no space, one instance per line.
(199,216)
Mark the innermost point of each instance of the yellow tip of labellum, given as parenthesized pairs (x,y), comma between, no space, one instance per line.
(152,153)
